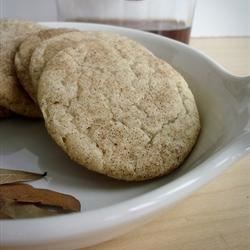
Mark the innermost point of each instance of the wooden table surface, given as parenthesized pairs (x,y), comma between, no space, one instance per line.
(218,215)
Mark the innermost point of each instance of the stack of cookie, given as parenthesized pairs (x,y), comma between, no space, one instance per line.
(107,101)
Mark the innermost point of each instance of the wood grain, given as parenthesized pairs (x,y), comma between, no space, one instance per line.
(231,53)
(217,217)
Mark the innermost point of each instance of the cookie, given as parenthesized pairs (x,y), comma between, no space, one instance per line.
(24,53)
(12,95)
(4,112)
(126,115)
(47,49)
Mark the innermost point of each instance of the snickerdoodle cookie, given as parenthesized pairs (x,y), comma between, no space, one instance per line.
(12,94)
(25,51)
(118,110)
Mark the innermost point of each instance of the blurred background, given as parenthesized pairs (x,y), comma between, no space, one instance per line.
(212,17)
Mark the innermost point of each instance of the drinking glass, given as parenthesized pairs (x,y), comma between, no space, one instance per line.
(170,18)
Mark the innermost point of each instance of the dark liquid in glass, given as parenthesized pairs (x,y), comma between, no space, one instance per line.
(169,28)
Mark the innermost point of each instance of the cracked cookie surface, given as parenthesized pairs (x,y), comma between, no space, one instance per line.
(12,95)
(50,47)
(118,110)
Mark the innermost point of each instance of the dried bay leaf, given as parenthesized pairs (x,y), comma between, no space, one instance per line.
(19,200)
(26,194)
(13,176)
(10,209)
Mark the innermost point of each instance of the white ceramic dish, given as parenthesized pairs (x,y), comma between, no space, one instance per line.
(110,207)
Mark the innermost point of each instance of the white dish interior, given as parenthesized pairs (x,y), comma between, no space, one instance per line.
(111,207)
